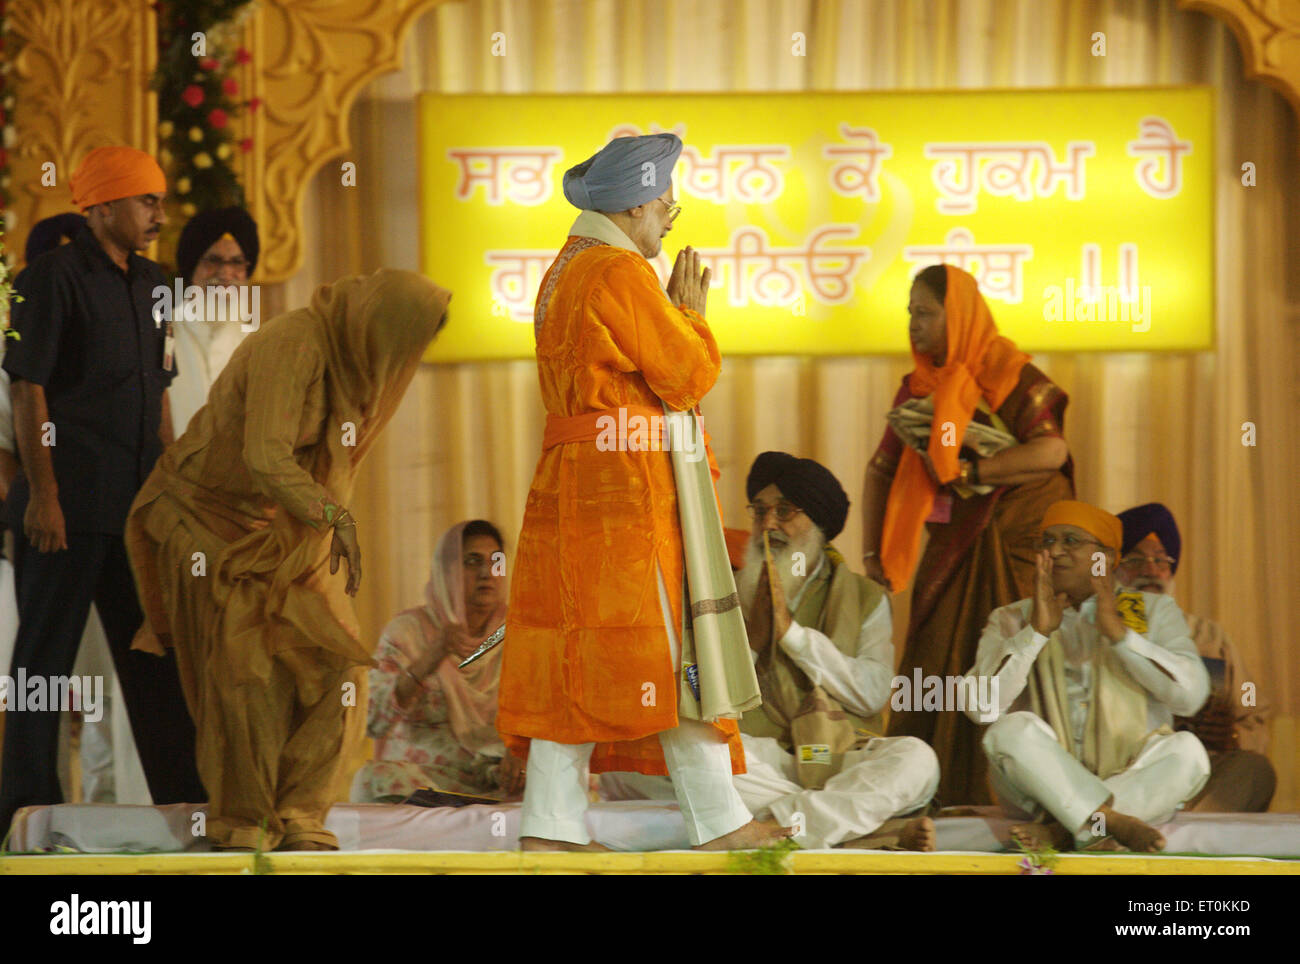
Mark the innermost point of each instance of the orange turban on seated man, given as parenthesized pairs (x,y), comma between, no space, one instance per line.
(1104,527)
(111,173)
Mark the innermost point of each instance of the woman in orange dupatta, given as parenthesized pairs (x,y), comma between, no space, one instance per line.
(980,553)
(235,540)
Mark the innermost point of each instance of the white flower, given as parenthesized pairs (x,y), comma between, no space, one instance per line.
(11,137)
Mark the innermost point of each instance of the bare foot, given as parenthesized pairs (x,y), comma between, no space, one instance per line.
(1105,845)
(755,834)
(542,845)
(918,834)
(1039,836)
(305,845)
(1137,836)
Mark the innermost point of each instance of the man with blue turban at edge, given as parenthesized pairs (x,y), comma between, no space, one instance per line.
(625,645)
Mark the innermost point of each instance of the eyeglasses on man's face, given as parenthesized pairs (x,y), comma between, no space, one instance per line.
(216,262)
(1070,542)
(785,511)
(672,208)
(1137,562)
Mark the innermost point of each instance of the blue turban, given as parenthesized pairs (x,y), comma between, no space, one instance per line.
(615,179)
(48,234)
(1142,521)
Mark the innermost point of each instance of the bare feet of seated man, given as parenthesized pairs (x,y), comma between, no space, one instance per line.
(755,834)
(542,845)
(1122,831)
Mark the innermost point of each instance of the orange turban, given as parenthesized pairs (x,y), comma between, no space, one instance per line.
(111,173)
(1107,529)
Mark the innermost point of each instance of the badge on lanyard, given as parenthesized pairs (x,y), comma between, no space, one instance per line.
(169,346)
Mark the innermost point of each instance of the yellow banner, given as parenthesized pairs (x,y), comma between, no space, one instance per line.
(1087,216)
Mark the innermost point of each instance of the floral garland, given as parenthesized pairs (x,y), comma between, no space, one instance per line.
(7,52)
(197,100)
(7,219)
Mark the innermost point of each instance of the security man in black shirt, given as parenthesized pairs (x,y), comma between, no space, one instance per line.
(89,376)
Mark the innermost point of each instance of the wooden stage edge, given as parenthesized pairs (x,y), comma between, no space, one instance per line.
(667,862)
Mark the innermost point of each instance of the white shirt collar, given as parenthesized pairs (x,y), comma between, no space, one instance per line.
(593,224)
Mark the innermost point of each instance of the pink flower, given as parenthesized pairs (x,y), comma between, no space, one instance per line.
(246,144)
(217,118)
(230,86)
(192,95)
(208,63)
(254,104)
(242,56)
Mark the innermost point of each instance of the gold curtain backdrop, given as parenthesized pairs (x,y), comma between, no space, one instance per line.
(1141,427)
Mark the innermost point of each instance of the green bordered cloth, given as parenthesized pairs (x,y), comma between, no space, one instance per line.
(718,681)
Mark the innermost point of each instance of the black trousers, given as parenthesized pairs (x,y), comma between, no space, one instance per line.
(55,590)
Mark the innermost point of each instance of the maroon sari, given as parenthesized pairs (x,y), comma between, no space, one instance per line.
(981,559)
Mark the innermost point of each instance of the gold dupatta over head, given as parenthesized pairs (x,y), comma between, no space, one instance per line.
(371,331)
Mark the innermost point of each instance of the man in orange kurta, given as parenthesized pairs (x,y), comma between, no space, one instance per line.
(590,664)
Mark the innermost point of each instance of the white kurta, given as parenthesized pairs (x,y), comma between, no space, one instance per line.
(1030,769)
(887,777)
(202,350)
(699,765)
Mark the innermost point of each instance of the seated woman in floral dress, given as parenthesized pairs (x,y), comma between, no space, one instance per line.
(434,724)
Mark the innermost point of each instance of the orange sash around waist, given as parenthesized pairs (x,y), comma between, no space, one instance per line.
(587,427)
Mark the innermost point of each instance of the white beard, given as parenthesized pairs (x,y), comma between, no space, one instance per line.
(811,545)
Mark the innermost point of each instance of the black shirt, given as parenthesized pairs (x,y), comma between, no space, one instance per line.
(89,338)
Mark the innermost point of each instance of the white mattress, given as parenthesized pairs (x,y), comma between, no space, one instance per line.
(633,825)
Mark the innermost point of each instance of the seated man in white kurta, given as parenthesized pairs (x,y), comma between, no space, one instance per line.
(817,624)
(1088,683)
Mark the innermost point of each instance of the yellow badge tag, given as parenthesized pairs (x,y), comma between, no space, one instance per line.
(815,753)
(1132,611)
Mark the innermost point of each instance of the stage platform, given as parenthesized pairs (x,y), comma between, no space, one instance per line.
(648,837)
(819,862)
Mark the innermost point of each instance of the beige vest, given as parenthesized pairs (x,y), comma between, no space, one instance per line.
(836,603)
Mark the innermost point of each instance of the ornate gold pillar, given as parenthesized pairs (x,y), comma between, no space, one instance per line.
(310,60)
(80,81)
(1269,34)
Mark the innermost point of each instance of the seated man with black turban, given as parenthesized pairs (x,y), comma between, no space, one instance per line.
(821,640)
(1233,724)
(217,249)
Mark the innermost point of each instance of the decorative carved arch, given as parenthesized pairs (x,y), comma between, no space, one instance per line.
(1269,34)
(312,57)
(311,60)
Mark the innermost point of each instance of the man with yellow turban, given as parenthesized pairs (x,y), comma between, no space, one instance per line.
(596,669)
(1088,682)
(90,375)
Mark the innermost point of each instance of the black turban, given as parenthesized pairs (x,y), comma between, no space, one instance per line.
(807,484)
(48,233)
(205,229)
(1141,521)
